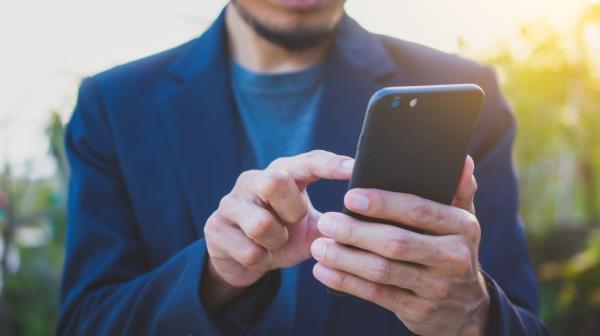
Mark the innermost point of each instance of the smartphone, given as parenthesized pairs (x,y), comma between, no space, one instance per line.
(415,140)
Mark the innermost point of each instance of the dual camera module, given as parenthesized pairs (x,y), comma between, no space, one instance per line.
(397,101)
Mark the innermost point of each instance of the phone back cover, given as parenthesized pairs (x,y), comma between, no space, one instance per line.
(417,150)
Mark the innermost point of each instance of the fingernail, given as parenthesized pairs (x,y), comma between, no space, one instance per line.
(318,249)
(357,201)
(348,164)
(326,225)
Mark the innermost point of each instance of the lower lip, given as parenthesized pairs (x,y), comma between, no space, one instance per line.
(301,4)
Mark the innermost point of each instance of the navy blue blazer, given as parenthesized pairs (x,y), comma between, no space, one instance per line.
(155,144)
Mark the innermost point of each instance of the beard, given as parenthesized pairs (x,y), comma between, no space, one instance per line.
(294,40)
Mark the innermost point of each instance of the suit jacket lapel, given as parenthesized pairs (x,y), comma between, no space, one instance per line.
(200,121)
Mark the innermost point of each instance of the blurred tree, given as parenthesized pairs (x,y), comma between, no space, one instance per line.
(56,147)
(551,80)
(7,228)
(37,221)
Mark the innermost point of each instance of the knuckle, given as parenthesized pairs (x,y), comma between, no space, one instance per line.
(227,202)
(338,230)
(300,214)
(315,153)
(347,231)
(398,246)
(276,183)
(277,162)
(460,262)
(212,225)
(409,276)
(260,226)
(279,240)
(246,176)
(252,255)
(381,270)
(374,292)
(211,220)
(440,290)
(424,310)
(421,211)
(332,254)
(339,280)
(470,226)
(379,204)
(464,270)
(438,215)
(326,217)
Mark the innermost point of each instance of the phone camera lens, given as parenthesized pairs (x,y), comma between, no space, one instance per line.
(396,102)
(413,102)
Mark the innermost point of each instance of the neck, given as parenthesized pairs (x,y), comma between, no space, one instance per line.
(255,53)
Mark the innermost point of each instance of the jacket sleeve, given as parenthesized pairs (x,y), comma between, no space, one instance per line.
(108,287)
(504,257)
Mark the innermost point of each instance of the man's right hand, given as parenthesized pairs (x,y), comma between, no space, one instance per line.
(266,222)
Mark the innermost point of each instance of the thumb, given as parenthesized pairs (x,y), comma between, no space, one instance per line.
(467,186)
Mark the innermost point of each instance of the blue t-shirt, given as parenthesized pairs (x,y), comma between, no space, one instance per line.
(277,111)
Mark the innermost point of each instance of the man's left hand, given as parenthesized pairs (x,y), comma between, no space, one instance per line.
(430,280)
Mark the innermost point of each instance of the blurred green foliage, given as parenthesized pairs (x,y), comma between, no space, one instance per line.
(29,300)
(552,81)
(32,293)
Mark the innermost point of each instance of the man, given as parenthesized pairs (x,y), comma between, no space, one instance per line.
(194,192)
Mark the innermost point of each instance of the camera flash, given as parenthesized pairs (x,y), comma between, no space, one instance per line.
(413,102)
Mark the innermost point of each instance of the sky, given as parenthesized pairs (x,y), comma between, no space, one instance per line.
(46,47)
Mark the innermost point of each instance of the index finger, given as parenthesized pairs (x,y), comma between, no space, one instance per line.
(315,165)
(409,210)
(385,240)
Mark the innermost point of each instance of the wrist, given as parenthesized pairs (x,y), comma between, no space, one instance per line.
(215,291)
(478,322)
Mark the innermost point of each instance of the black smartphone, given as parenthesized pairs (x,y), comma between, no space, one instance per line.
(415,140)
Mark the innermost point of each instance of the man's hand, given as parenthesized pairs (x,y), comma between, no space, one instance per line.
(266,222)
(430,281)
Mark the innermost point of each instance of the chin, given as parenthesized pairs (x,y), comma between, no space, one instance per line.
(293,14)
